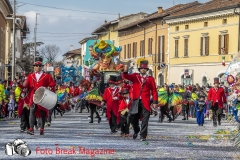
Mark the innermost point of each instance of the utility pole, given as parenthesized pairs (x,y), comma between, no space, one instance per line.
(13,46)
(35,37)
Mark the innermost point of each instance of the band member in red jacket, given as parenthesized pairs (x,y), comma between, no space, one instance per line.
(33,82)
(110,98)
(216,97)
(125,103)
(147,83)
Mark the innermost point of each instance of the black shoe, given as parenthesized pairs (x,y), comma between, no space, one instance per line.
(135,135)
(170,120)
(96,117)
(114,131)
(91,122)
(99,120)
(184,119)
(143,139)
(160,121)
(23,130)
(219,123)
(214,124)
(155,113)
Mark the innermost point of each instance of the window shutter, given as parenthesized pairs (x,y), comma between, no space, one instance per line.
(219,44)
(163,51)
(176,48)
(201,46)
(125,52)
(130,50)
(144,48)
(185,47)
(207,46)
(149,45)
(226,42)
(140,48)
(159,45)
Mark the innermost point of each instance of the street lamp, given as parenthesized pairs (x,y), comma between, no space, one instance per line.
(237,11)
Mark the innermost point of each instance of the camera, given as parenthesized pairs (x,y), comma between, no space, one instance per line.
(17,147)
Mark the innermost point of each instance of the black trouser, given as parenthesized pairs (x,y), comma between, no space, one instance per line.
(84,104)
(113,122)
(25,118)
(93,109)
(49,119)
(32,117)
(125,124)
(163,110)
(217,113)
(185,111)
(145,118)
(171,109)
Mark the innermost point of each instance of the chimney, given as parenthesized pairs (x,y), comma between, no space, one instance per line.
(71,48)
(160,9)
(105,21)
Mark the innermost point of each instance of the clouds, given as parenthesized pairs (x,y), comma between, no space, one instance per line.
(65,21)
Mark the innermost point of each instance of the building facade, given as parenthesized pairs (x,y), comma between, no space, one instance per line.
(5,33)
(200,37)
(147,38)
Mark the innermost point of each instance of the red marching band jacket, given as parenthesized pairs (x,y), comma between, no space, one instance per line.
(112,105)
(123,104)
(74,91)
(149,87)
(217,96)
(32,84)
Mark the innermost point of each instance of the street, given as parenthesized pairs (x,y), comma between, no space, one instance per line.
(71,137)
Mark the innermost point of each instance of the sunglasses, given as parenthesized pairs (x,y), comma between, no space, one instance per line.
(38,65)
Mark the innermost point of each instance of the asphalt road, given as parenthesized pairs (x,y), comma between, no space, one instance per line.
(72,137)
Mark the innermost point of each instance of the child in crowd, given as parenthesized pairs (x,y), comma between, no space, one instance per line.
(200,107)
(11,106)
(125,104)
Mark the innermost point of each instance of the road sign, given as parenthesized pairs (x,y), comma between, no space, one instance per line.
(163,65)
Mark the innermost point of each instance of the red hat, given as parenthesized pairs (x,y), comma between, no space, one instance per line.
(38,61)
(143,64)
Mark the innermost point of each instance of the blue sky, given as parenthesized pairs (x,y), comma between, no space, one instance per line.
(83,23)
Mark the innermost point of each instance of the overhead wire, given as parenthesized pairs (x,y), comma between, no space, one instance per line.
(75,10)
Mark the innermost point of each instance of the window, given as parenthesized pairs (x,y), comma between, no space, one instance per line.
(223,41)
(185,47)
(177,28)
(125,52)
(176,48)
(186,27)
(204,45)
(224,21)
(150,46)
(161,52)
(162,22)
(134,49)
(205,24)
(129,50)
(142,48)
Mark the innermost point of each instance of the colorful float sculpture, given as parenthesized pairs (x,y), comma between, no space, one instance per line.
(103,53)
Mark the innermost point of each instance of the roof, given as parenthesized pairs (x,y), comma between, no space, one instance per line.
(10,6)
(107,24)
(211,6)
(88,38)
(73,52)
(156,15)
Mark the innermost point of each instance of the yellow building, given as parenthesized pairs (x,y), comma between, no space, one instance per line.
(5,36)
(107,31)
(148,38)
(199,38)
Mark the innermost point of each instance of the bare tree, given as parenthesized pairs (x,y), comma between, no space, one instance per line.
(50,52)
